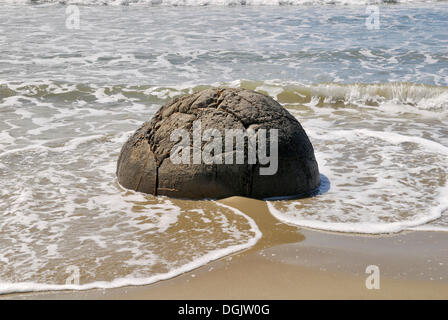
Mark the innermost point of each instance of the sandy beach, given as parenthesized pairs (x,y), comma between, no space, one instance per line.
(292,263)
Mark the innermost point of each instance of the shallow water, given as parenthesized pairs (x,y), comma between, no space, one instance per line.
(373,102)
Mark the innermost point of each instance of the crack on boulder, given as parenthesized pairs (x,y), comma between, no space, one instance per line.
(217,104)
(257,110)
(139,180)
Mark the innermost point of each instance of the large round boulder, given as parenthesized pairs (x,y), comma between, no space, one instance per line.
(190,149)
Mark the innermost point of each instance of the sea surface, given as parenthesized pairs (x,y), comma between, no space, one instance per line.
(373,99)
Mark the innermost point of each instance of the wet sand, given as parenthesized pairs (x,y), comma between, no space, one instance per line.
(293,263)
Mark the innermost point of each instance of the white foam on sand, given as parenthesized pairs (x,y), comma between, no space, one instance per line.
(198,261)
(6,287)
(381,182)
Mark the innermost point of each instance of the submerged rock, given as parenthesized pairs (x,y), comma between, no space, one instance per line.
(194,129)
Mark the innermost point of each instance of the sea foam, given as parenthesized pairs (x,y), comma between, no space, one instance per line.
(381,182)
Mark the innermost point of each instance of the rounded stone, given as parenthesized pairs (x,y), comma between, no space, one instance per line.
(145,162)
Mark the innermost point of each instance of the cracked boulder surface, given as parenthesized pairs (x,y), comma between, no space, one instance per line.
(144,164)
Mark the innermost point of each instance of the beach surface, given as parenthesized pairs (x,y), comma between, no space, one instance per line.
(292,263)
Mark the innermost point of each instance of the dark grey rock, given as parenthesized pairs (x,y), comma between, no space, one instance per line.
(145,165)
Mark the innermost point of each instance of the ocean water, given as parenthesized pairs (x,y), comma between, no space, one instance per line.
(374,103)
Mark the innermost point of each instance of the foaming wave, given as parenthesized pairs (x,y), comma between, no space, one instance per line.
(28,286)
(404,96)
